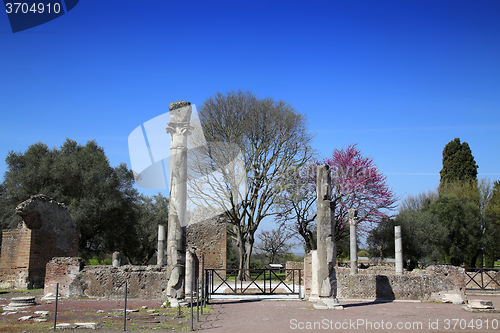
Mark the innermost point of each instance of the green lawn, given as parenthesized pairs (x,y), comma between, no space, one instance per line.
(497,264)
(274,276)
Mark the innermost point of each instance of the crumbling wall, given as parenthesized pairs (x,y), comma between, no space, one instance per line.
(207,236)
(77,280)
(62,270)
(436,283)
(107,281)
(47,231)
(15,258)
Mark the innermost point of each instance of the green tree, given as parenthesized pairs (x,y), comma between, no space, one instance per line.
(492,251)
(151,212)
(102,199)
(458,163)
(423,237)
(462,219)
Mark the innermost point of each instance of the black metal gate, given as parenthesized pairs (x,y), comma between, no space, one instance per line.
(256,282)
(482,279)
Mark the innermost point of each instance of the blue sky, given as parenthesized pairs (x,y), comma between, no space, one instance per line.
(400,78)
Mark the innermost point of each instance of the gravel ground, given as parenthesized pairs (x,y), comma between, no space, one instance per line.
(257,315)
(292,316)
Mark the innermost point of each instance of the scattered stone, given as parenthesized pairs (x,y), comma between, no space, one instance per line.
(144,307)
(50,297)
(25,318)
(100,311)
(453,298)
(40,320)
(42,313)
(64,326)
(480,304)
(477,305)
(86,325)
(154,314)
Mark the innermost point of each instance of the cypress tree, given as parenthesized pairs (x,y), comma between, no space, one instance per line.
(458,163)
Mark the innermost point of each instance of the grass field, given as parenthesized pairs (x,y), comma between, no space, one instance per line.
(274,276)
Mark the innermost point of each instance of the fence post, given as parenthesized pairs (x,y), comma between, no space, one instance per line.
(197,299)
(300,284)
(192,287)
(125,309)
(202,281)
(55,312)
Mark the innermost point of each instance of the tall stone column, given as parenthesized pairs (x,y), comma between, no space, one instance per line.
(326,249)
(161,245)
(179,129)
(353,219)
(399,249)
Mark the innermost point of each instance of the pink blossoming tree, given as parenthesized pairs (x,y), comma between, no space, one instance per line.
(356,183)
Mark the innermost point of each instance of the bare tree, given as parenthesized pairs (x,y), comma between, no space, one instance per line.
(296,204)
(415,202)
(250,143)
(274,243)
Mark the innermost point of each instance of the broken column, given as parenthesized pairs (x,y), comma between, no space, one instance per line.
(161,245)
(117,259)
(353,216)
(399,249)
(326,278)
(192,270)
(179,129)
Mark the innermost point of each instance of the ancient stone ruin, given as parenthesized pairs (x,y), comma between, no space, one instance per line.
(47,231)
(206,237)
(325,257)
(179,129)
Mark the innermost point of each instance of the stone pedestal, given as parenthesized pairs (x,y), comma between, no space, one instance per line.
(179,129)
(314,296)
(353,216)
(326,249)
(399,249)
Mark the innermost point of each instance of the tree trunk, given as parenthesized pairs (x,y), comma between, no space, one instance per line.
(240,244)
(412,265)
(474,259)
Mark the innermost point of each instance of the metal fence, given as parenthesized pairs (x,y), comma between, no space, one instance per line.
(482,279)
(255,282)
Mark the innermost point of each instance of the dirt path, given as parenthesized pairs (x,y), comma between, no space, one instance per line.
(292,316)
(251,316)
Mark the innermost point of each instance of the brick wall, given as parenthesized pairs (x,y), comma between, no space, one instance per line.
(15,258)
(61,270)
(47,231)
